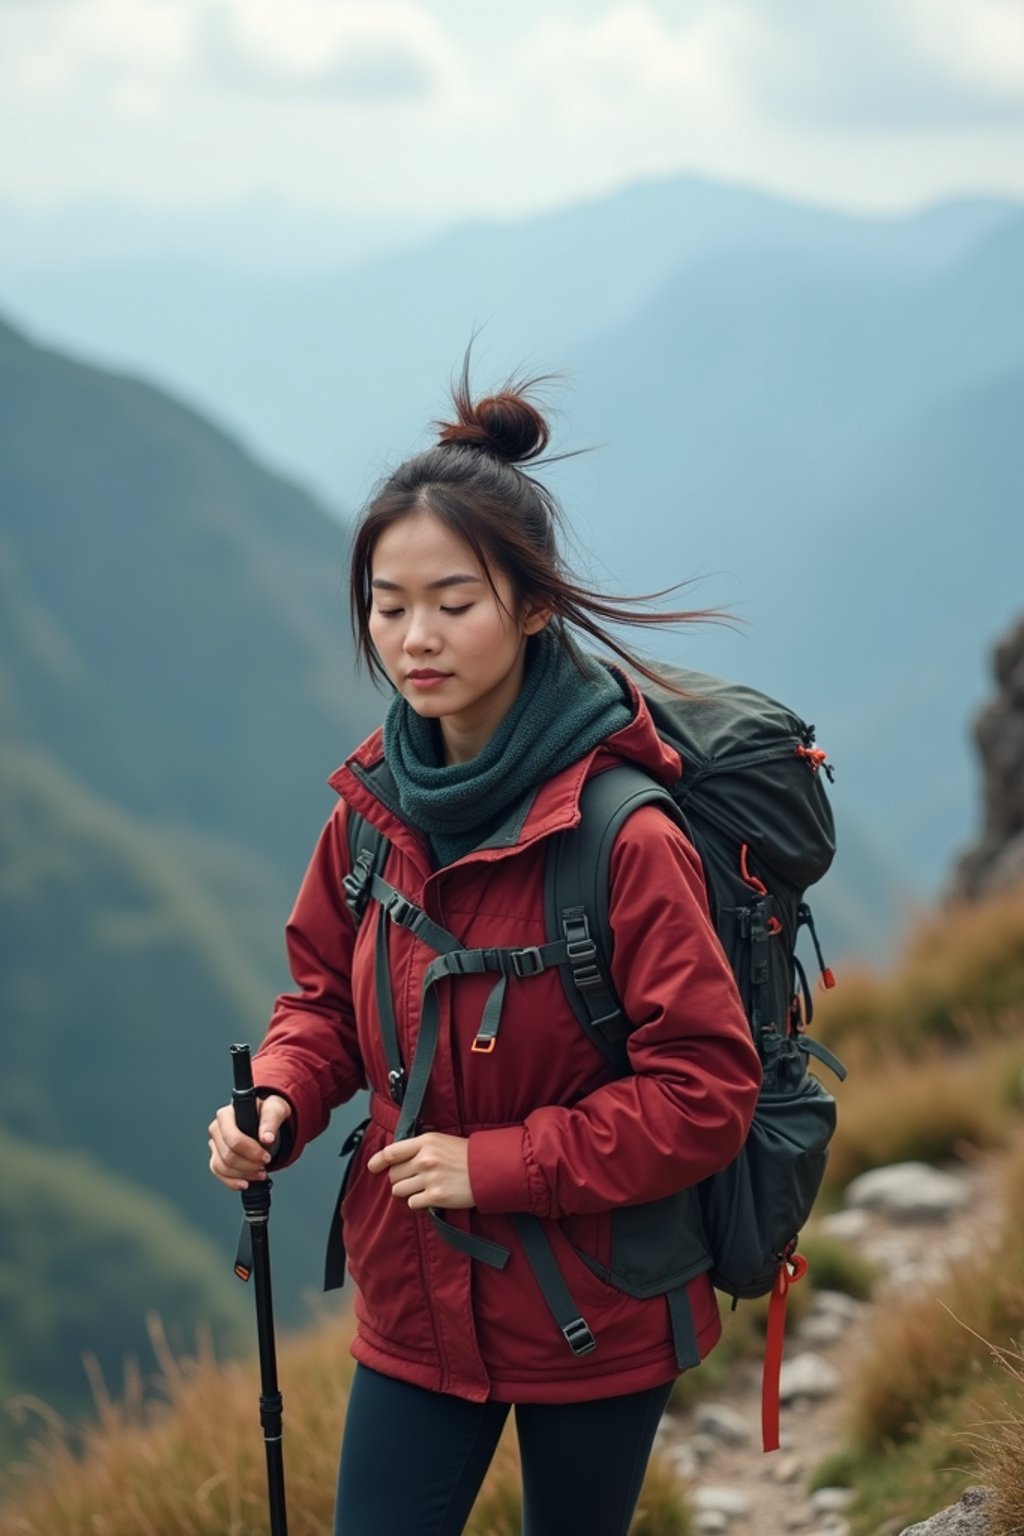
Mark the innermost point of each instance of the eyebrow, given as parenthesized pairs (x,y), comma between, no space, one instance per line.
(444,581)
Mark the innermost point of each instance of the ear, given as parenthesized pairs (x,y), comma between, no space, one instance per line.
(534,620)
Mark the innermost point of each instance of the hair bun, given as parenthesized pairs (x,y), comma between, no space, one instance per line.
(506,424)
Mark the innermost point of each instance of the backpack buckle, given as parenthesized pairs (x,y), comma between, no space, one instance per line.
(526,962)
(579,1337)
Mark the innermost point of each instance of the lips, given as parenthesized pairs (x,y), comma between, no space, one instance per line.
(426,676)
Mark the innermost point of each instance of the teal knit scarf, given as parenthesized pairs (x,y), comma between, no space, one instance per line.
(557,717)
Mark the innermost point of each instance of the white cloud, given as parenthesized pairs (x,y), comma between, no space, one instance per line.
(410,104)
(361,50)
(65,46)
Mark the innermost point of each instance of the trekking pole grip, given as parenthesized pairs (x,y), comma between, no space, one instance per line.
(243,1095)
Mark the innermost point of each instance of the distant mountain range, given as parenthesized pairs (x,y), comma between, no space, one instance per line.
(765,384)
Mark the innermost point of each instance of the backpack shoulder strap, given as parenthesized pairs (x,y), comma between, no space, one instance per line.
(368,852)
(576,899)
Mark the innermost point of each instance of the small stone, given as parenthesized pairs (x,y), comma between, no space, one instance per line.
(685,1462)
(834,1525)
(724,1501)
(832,1501)
(723,1424)
(849,1226)
(704,1446)
(808,1376)
(837,1304)
(822,1330)
(710,1522)
(784,1469)
(909,1191)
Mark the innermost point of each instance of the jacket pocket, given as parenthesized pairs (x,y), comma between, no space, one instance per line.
(653,1247)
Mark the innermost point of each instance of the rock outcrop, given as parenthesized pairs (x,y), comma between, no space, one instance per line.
(997,861)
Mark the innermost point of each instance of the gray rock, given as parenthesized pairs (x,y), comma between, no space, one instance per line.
(848,1226)
(908,1191)
(723,1424)
(710,1522)
(808,1375)
(996,862)
(821,1330)
(685,1462)
(837,1304)
(967,1518)
(832,1501)
(729,1502)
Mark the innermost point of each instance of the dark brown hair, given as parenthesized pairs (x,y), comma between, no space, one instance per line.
(470,482)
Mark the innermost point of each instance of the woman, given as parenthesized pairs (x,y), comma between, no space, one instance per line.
(461,601)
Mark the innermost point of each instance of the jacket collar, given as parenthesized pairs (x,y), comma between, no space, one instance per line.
(364,781)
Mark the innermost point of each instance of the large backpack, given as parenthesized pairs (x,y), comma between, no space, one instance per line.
(752,801)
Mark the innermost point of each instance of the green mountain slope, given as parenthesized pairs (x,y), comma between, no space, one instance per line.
(173,695)
(85,1257)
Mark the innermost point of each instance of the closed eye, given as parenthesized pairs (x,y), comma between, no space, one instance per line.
(465,607)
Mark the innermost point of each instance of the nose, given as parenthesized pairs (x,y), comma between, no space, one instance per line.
(420,638)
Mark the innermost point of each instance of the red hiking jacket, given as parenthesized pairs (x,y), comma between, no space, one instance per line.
(552,1130)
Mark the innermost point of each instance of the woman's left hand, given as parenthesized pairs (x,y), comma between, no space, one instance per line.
(427,1170)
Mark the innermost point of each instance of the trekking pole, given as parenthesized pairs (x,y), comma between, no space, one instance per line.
(253,1258)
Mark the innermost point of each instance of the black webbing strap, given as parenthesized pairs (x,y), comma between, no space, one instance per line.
(596,994)
(334,1260)
(556,1293)
(684,1336)
(409,1089)
(386,1009)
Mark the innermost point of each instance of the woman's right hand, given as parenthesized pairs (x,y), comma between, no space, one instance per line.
(235,1158)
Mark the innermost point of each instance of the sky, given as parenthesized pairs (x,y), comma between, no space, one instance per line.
(462,107)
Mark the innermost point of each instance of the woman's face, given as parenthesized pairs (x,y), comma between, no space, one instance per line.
(453,651)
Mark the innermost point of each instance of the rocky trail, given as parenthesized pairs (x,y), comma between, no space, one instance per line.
(911,1220)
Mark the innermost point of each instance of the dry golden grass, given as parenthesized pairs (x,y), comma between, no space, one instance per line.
(927,1106)
(925,1352)
(959,970)
(194,1464)
(999,1448)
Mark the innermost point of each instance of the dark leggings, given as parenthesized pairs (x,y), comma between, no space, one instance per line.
(412,1461)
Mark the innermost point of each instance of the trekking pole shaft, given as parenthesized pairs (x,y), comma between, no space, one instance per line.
(256,1205)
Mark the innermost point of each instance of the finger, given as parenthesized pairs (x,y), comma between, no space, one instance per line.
(394,1152)
(241,1156)
(274,1111)
(404,1188)
(222,1172)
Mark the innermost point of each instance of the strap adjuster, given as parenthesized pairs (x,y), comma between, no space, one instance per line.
(400,909)
(396,1084)
(579,1337)
(580,949)
(587,978)
(527,962)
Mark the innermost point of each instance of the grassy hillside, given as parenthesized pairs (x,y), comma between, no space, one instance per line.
(86,1258)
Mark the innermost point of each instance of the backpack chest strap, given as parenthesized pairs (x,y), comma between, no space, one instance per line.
(453,959)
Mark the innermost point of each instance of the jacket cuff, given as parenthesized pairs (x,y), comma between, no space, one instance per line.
(498,1175)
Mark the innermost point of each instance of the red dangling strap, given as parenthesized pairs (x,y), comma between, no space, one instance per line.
(789,1272)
